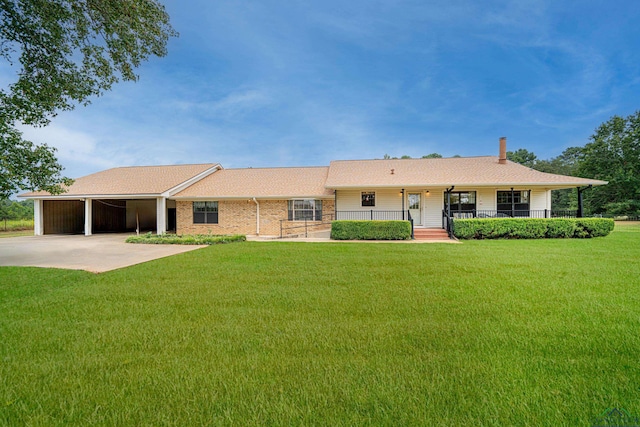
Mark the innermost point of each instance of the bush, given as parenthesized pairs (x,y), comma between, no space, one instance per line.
(593,227)
(531,228)
(371,230)
(188,239)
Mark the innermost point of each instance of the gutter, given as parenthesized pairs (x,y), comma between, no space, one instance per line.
(257,216)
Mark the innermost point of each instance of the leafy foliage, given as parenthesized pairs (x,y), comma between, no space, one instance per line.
(565,164)
(188,239)
(10,209)
(25,165)
(613,155)
(522,156)
(531,228)
(66,52)
(370,230)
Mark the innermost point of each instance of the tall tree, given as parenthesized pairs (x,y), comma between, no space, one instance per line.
(522,156)
(65,52)
(564,164)
(614,155)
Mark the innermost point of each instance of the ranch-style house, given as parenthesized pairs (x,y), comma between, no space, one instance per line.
(207,198)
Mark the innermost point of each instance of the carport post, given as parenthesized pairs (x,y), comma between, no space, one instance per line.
(161,215)
(38,218)
(88,224)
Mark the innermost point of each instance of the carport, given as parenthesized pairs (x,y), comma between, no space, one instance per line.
(106,216)
(117,200)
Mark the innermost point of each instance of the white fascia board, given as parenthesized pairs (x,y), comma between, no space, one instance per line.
(213,197)
(93,196)
(188,183)
(555,185)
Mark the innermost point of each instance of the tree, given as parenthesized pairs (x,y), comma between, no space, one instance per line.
(10,209)
(432,156)
(68,51)
(564,164)
(613,155)
(522,156)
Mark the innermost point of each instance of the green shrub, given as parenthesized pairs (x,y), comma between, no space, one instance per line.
(560,228)
(371,230)
(188,239)
(531,228)
(593,227)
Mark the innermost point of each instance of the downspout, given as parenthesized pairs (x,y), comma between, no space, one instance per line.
(257,216)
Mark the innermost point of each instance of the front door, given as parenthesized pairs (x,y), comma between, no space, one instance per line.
(415,205)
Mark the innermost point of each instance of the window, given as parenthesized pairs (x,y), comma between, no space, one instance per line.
(519,202)
(368,198)
(306,209)
(461,201)
(205,212)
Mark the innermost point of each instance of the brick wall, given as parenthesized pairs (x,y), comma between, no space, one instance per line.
(239,217)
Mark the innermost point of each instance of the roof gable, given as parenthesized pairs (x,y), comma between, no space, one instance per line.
(134,180)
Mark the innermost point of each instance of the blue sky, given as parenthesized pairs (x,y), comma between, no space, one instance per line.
(295,83)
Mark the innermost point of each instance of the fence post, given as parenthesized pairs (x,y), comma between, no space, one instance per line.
(281,228)
(305,228)
(371,214)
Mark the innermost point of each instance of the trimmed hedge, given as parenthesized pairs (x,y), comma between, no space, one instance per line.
(371,230)
(188,239)
(531,228)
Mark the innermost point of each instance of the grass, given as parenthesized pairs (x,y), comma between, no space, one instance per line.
(4,234)
(13,225)
(511,332)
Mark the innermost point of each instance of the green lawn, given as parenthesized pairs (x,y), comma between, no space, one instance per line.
(16,228)
(537,332)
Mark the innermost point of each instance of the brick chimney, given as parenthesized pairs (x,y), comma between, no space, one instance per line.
(502,159)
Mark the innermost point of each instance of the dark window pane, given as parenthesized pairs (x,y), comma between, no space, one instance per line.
(368,198)
(212,218)
(198,218)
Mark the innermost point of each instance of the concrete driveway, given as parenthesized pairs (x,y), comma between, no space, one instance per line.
(97,253)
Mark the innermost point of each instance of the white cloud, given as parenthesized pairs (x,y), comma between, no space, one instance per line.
(76,150)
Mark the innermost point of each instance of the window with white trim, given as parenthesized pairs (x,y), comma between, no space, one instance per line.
(305,209)
(517,200)
(205,212)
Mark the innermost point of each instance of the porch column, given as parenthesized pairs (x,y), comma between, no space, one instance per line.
(161,215)
(88,217)
(38,218)
(579,213)
(402,193)
(513,204)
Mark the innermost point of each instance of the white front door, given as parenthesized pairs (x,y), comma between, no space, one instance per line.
(415,207)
